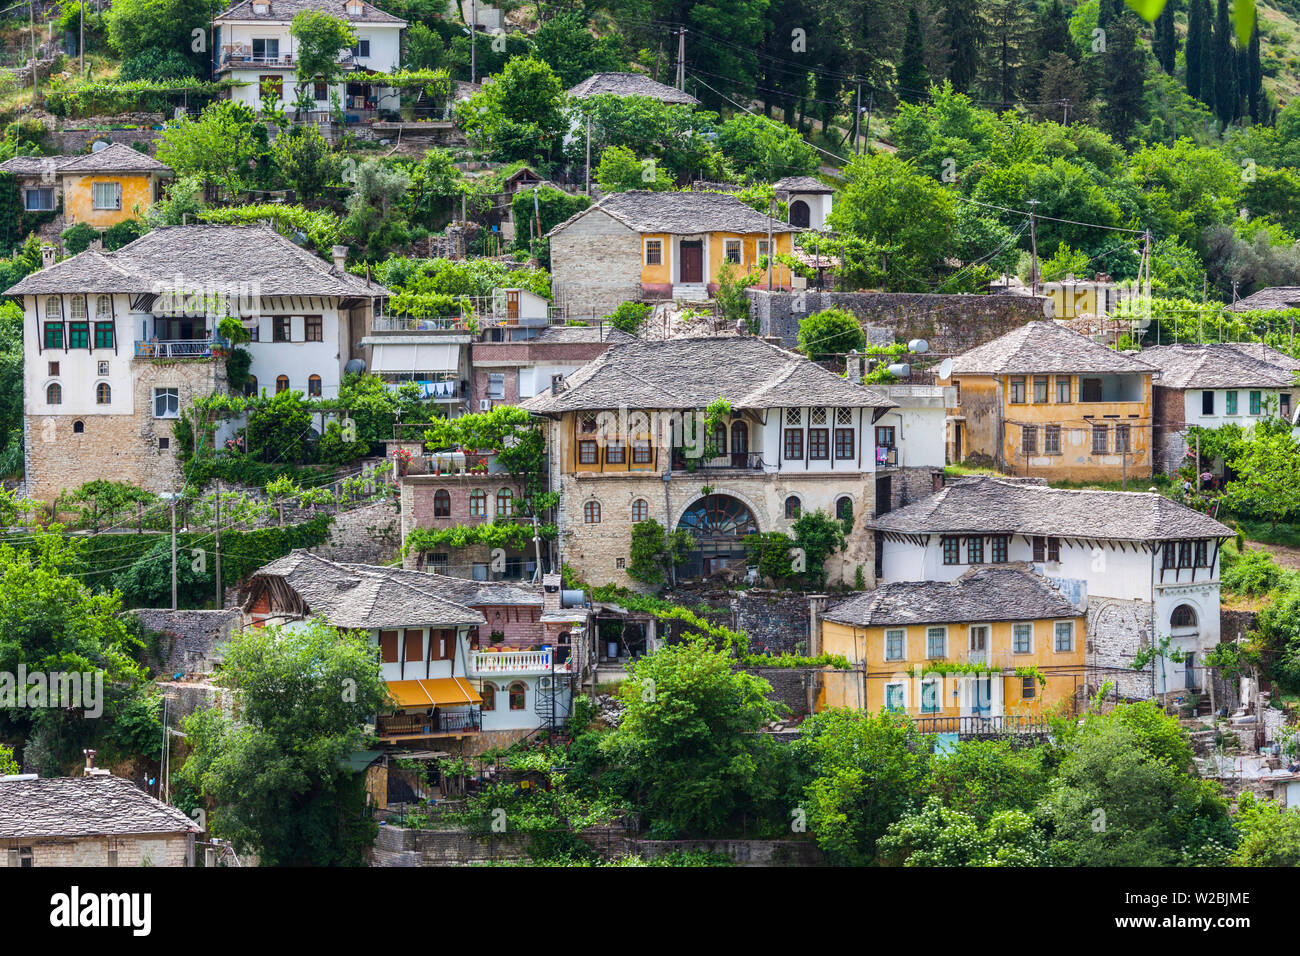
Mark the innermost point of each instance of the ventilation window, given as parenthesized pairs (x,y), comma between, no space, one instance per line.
(164,444)
(78,428)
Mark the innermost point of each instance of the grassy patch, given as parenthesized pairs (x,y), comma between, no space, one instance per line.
(1262,531)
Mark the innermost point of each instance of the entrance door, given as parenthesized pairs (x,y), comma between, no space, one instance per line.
(692,261)
(799,214)
(979,644)
(512,304)
(884,496)
(1189,671)
(956,442)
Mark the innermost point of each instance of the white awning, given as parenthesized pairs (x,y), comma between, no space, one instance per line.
(415,358)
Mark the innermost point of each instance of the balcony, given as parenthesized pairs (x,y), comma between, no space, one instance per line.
(177,348)
(735,461)
(886,455)
(411,323)
(982,726)
(486,663)
(444,722)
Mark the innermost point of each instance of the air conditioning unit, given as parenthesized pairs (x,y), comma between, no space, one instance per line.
(544,683)
(485,404)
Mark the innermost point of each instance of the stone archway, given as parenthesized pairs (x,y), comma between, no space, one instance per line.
(719,523)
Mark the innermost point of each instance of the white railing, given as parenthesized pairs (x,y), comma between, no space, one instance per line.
(514,662)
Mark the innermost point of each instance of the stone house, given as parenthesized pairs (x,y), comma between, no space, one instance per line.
(1008,617)
(475,664)
(659,245)
(96,820)
(629,84)
(252,45)
(1144,567)
(119,343)
(100,188)
(1278,298)
(1043,400)
(519,361)
(1220,383)
(808,200)
(627,442)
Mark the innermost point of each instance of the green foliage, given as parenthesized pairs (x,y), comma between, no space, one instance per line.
(319,38)
(1277,637)
(982,778)
(377,217)
(552,206)
(567,46)
(654,553)
(630,316)
(78,238)
(688,737)
(510,535)
(731,300)
(938,836)
(830,333)
(764,150)
(1267,481)
(221,147)
(120,234)
(820,536)
(517,116)
(304,160)
(276,779)
(1270,835)
(321,227)
(138,26)
(278,432)
(1252,573)
(769,552)
(507,430)
(674,135)
(159,65)
(620,170)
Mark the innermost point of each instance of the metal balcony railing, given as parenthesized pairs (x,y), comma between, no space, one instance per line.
(176,348)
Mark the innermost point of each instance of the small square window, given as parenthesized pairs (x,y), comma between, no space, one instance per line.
(281,329)
(164,444)
(54,369)
(1028,688)
(936,642)
(732,251)
(496,385)
(313,328)
(895,645)
(1064,637)
(107,195)
(620,563)
(1022,639)
(794,416)
(654,252)
(166,403)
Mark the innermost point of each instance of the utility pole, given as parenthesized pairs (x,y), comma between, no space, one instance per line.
(681,59)
(1198,463)
(537,549)
(81,44)
(173,504)
(473,41)
(866,139)
(220,600)
(587,187)
(771,253)
(857,117)
(1033,244)
(1065,119)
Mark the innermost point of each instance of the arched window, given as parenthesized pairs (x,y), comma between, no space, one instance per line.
(54,394)
(640,510)
(250,387)
(313,385)
(103,394)
(78,427)
(52,308)
(441,504)
(478,503)
(505,503)
(1184,616)
(518,695)
(489,694)
(281,384)
(591,512)
(800,214)
(844,508)
(103,308)
(793,507)
(739,438)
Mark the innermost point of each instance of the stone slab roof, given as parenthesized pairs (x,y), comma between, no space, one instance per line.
(117,158)
(681,213)
(984,504)
(694,372)
(576,334)
(82,807)
(284,10)
(464,591)
(364,596)
(1009,593)
(1222,365)
(1043,347)
(34,165)
(630,84)
(801,184)
(256,257)
(1278,297)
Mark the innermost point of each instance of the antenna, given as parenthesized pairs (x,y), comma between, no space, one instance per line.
(945,369)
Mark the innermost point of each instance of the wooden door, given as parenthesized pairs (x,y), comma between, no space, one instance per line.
(692,261)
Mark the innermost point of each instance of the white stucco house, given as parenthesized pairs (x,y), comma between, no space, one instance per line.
(252,45)
(1147,567)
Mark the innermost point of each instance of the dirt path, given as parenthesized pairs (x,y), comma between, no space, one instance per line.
(1285,555)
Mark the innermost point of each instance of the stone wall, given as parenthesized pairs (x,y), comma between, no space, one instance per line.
(909,485)
(1169,428)
(127,448)
(370,534)
(595,265)
(175,849)
(75,136)
(950,323)
(793,687)
(1117,629)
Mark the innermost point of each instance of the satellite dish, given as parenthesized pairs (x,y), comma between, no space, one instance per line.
(919,346)
(945,369)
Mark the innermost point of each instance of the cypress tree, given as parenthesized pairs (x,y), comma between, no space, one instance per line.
(1166,39)
(1123,61)
(1206,94)
(963,22)
(1224,66)
(913,78)
(1195,27)
(1254,76)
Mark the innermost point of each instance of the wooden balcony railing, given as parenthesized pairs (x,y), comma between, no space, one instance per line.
(415,725)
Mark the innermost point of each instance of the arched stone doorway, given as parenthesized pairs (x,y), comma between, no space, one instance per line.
(719,524)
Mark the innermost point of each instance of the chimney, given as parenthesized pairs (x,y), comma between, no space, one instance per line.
(97,244)
(552,593)
(90,763)
(555,384)
(340,257)
(48,256)
(853,367)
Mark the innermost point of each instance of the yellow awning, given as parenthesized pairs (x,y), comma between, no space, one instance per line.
(441,691)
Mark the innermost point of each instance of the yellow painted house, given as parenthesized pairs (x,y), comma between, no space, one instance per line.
(996,646)
(100,189)
(658,245)
(1045,401)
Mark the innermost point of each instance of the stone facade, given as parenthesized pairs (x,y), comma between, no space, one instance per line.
(370,534)
(1117,630)
(172,849)
(950,323)
(1169,428)
(119,447)
(595,265)
(417,511)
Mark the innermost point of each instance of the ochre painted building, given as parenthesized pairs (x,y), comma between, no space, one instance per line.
(916,648)
(1045,401)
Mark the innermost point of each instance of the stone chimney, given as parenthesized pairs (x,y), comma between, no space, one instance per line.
(552,593)
(853,367)
(556,384)
(816,605)
(48,256)
(340,256)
